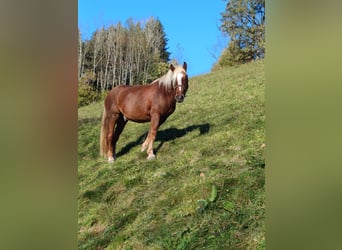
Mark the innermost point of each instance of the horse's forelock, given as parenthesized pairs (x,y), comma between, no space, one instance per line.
(170,78)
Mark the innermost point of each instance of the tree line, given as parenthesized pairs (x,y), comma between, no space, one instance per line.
(123,54)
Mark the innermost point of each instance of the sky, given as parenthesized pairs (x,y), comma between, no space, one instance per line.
(191,26)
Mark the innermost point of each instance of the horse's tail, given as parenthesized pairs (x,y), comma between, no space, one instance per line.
(104,132)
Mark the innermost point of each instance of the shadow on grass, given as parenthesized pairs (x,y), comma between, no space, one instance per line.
(166,135)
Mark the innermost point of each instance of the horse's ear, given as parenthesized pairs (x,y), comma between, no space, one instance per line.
(185,66)
(172,67)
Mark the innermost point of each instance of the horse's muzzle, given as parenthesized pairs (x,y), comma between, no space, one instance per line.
(180,98)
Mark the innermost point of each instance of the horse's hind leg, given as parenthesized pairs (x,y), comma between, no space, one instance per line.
(111,148)
(120,125)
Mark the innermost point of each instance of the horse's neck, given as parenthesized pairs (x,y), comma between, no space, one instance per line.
(169,93)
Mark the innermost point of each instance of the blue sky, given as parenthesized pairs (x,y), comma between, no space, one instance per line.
(191,27)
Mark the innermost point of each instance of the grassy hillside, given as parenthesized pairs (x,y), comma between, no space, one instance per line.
(204,190)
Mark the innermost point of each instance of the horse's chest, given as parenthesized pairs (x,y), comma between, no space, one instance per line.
(168,112)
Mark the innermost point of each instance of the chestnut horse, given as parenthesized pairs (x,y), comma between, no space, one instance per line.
(154,102)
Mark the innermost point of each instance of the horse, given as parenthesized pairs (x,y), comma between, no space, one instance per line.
(153,103)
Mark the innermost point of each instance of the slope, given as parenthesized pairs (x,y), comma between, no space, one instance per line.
(204,190)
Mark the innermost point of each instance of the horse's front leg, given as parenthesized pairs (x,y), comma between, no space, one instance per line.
(145,144)
(152,136)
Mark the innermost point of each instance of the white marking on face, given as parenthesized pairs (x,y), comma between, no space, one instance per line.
(179,81)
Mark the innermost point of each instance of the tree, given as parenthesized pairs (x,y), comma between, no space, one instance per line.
(244,22)
(156,50)
(156,39)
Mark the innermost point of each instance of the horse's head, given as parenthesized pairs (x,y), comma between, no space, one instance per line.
(181,83)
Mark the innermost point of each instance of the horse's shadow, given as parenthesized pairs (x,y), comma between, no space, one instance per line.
(166,135)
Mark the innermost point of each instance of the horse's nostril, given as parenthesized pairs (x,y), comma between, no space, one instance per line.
(179,98)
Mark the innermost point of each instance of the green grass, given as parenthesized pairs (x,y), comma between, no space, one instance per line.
(215,138)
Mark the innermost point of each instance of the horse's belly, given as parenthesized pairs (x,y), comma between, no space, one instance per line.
(142,117)
(139,120)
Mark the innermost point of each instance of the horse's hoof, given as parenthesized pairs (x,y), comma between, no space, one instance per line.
(110,160)
(151,157)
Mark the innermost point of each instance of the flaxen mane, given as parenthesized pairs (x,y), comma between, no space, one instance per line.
(169,79)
